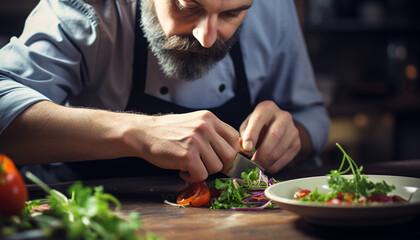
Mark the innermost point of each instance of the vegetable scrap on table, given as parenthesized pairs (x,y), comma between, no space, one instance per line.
(245,193)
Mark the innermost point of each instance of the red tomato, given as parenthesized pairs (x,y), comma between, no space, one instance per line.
(334,201)
(189,193)
(13,191)
(196,194)
(346,197)
(203,197)
(301,194)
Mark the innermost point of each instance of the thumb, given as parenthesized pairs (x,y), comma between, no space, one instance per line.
(250,131)
(250,136)
(246,144)
(246,147)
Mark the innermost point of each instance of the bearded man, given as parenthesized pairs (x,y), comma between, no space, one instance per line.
(152,85)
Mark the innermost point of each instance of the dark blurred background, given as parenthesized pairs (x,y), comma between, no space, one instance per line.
(365,55)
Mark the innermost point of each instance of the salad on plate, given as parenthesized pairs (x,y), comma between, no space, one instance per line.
(355,189)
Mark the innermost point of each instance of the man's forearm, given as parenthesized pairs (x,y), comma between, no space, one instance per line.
(46,133)
(196,143)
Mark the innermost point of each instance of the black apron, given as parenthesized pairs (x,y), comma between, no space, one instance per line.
(233,112)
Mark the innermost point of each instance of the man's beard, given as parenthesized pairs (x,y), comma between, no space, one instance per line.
(180,56)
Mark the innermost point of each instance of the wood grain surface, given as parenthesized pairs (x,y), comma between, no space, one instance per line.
(146,195)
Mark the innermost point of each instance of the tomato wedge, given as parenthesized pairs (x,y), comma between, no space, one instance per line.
(301,194)
(196,194)
(189,193)
(203,197)
(13,191)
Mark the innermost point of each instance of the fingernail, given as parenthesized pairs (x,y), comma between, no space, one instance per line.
(248,146)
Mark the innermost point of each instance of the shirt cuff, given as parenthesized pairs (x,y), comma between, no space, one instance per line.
(14,99)
(317,123)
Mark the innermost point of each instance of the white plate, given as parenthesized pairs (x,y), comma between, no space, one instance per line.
(378,214)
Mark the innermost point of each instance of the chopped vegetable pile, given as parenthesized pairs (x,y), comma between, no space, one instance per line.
(245,193)
(85,215)
(353,190)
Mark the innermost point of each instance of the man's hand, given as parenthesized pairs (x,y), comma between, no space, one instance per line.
(197,143)
(274,135)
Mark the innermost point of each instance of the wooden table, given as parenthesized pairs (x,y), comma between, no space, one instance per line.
(146,195)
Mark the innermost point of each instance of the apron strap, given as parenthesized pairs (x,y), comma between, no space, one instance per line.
(139,65)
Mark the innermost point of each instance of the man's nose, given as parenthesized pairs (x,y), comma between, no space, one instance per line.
(206,30)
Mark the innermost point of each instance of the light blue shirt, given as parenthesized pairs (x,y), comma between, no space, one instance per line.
(80,53)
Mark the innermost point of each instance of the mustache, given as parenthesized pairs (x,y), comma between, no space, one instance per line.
(188,43)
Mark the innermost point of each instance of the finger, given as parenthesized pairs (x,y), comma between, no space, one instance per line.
(243,125)
(251,131)
(192,176)
(285,159)
(228,133)
(274,143)
(223,152)
(270,154)
(193,169)
(221,129)
(224,141)
(248,153)
(211,160)
(187,177)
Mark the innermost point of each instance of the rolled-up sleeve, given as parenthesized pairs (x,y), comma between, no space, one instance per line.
(44,63)
(14,98)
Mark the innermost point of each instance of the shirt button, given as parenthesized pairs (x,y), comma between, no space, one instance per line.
(164,90)
(222,87)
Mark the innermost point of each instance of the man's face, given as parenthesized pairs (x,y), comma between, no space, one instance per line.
(189,36)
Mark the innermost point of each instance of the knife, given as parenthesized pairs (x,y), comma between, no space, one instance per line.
(240,164)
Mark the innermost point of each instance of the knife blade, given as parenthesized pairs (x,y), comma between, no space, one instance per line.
(240,164)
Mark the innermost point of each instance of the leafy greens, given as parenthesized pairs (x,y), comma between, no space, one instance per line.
(85,215)
(358,185)
(246,193)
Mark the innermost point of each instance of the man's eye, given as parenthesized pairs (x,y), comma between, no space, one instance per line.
(182,8)
(231,14)
(186,6)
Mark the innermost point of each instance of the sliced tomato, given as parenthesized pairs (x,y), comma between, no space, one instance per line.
(334,201)
(346,197)
(203,197)
(301,194)
(13,191)
(189,193)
